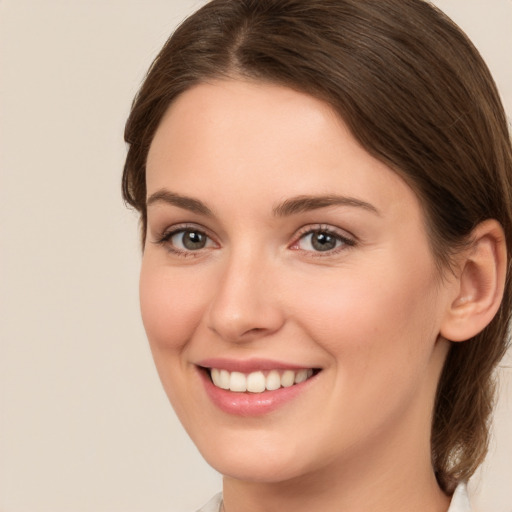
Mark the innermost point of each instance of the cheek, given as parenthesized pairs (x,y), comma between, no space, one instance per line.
(374,320)
(171,306)
(379,331)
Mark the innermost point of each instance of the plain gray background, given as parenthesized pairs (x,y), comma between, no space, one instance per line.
(84,424)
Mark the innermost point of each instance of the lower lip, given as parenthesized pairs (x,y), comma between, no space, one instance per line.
(252,404)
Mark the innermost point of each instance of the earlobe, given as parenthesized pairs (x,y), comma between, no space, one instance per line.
(479,285)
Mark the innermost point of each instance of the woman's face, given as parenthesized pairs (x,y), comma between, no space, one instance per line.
(279,250)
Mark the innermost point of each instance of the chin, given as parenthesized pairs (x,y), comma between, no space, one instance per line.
(252,462)
(256,471)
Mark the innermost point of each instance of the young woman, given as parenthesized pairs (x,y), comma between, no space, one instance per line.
(325,198)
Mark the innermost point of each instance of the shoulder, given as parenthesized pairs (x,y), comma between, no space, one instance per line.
(213,505)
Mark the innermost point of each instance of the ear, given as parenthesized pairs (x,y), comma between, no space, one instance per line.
(478,289)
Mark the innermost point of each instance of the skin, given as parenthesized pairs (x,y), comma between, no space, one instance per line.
(368,313)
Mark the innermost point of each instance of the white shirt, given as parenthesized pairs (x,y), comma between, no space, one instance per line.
(460,500)
(459,503)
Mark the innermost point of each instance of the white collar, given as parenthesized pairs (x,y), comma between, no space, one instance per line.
(459,503)
(460,499)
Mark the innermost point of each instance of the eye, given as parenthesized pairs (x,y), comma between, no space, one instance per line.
(185,240)
(322,240)
(189,240)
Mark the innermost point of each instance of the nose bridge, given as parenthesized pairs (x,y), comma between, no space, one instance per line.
(245,306)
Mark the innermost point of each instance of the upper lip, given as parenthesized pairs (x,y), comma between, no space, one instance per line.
(249,365)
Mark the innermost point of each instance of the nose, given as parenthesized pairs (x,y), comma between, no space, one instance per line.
(246,304)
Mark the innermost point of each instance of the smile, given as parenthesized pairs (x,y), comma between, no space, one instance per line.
(254,387)
(258,381)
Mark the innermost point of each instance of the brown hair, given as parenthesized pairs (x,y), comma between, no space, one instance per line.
(417,95)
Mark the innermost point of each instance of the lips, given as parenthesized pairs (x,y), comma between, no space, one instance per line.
(255,387)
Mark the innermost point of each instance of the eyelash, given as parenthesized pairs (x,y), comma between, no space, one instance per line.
(165,238)
(346,242)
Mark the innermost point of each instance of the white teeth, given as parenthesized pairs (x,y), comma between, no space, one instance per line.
(237,382)
(257,382)
(220,378)
(215,375)
(273,380)
(301,376)
(224,379)
(288,379)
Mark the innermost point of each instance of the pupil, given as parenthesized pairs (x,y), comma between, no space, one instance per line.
(193,240)
(323,241)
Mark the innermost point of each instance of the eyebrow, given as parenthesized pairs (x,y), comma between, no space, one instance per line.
(301,204)
(291,206)
(187,203)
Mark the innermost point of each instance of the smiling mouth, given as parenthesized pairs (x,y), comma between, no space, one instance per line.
(259,381)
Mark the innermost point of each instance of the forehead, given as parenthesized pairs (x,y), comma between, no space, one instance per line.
(233,109)
(250,140)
